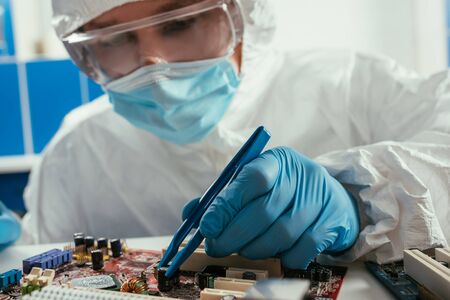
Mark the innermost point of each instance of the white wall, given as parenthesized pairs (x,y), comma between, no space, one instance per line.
(34,35)
(411,31)
(25,18)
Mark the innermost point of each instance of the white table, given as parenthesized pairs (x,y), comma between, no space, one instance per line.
(358,284)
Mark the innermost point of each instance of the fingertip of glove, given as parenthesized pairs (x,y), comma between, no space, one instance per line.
(298,264)
(215,250)
(189,208)
(209,227)
(10,231)
(252,255)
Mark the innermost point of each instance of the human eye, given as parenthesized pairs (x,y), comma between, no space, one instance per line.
(118,40)
(177,27)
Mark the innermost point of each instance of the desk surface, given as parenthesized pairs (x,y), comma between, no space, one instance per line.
(358,284)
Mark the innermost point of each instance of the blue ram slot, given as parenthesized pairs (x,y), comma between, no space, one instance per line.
(48,260)
(10,278)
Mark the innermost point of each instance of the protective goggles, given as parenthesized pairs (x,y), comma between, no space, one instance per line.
(205,30)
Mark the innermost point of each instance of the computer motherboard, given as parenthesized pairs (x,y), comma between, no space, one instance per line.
(135,271)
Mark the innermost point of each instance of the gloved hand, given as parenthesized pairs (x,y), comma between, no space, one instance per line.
(9,227)
(281,203)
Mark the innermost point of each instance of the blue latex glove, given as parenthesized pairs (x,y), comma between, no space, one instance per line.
(282,203)
(9,227)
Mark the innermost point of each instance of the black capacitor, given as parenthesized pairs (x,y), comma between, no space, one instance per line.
(78,234)
(79,241)
(116,248)
(249,276)
(97,259)
(204,280)
(89,241)
(102,243)
(166,284)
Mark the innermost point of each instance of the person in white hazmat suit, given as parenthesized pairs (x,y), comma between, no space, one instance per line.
(358,164)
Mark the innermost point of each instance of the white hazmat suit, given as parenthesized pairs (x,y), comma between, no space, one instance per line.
(379,129)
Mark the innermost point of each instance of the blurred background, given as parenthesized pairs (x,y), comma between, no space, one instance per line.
(39,85)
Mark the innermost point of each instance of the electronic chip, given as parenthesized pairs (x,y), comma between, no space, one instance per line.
(97,282)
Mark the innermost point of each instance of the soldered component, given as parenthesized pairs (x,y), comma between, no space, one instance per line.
(136,285)
(29,288)
(249,275)
(78,241)
(315,272)
(89,242)
(102,244)
(104,282)
(204,280)
(48,260)
(97,259)
(80,255)
(167,284)
(124,246)
(254,274)
(116,248)
(37,279)
(10,278)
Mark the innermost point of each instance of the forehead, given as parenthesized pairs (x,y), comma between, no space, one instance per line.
(137,10)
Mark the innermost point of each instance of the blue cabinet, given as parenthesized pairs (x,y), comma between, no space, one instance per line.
(12,187)
(51,89)
(11,137)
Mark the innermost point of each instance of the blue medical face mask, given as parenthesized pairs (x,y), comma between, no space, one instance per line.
(180,102)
